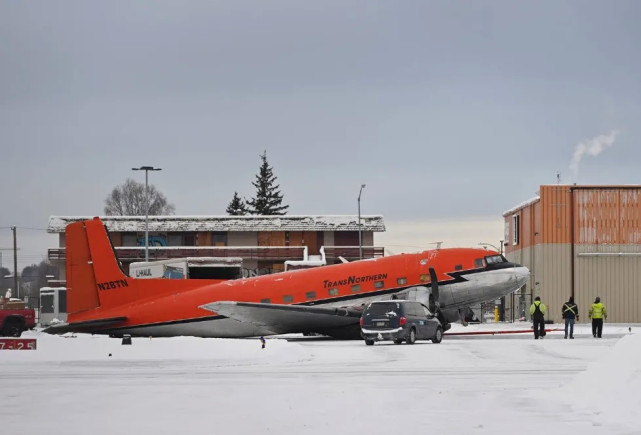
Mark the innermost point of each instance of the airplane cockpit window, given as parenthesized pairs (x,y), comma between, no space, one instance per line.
(495,259)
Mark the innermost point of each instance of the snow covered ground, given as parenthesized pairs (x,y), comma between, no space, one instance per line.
(488,384)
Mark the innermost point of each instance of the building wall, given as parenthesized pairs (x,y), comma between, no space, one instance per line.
(613,273)
(242,238)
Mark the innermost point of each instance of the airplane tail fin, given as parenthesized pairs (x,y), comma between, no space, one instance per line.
(94,275)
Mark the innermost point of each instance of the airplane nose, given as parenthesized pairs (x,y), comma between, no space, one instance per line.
(522,274)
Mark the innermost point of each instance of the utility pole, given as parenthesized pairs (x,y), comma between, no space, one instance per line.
(360,237)
(15,262)
(146,169)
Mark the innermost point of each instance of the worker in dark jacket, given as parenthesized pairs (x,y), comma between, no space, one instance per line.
(537,310)
(597,313)
(570,312)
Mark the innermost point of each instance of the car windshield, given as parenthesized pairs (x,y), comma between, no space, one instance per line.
(383,309)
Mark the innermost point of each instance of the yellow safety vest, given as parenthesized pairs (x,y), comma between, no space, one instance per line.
(597,311)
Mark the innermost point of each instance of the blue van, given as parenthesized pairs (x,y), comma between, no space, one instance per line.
(398,321)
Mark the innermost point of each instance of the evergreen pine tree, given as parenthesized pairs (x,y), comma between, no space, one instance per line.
(237,206)
(268,198)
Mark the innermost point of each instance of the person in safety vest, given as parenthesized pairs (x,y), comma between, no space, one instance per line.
(537,310)
(570,312)
(597,313)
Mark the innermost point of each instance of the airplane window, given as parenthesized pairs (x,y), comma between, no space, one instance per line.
(401,281)
(424,277)
(378,284)
(265,301)
(458,267)
(356,288)
(288,298)
(479,262)
(333,292)
(310,295)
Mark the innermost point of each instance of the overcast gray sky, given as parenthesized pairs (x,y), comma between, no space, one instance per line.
(448,111)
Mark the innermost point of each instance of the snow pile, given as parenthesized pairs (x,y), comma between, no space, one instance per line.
(611,384)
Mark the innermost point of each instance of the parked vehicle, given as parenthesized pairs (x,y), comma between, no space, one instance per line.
(399,320)
(15,318)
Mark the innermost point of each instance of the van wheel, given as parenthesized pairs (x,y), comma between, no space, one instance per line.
(438,335)
(369,342)
(411,338)
(398,340)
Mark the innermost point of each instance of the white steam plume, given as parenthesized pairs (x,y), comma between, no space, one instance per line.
(592,147)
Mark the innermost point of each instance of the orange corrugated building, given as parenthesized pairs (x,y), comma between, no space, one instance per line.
(578,240)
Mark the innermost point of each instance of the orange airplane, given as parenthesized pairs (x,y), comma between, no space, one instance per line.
(327,300)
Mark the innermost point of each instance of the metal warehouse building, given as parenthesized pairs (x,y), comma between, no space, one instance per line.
(579,240)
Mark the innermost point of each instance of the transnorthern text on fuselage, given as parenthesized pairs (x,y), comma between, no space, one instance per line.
(354,280)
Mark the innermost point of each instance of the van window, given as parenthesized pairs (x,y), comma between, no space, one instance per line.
(415,310)
(46,303)
(382,308)
(62,301)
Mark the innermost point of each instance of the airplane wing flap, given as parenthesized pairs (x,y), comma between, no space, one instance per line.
(283,319)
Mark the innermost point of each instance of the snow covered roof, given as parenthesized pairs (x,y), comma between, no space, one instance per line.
(57,224)
(521,205)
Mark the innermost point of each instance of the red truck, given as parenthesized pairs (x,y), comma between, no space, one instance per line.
(15,317)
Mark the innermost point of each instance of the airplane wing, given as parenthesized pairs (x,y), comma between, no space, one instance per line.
(62,328)
(284,319)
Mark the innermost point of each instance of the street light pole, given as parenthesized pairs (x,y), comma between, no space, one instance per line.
(146,169)
(485,245)
(15,262)
(360,237)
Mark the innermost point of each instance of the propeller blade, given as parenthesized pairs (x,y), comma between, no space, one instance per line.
(434,297)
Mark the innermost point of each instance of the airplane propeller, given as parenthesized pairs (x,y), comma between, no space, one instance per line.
(434,297)
(435,304)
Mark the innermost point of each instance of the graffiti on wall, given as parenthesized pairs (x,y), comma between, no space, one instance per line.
(153,241)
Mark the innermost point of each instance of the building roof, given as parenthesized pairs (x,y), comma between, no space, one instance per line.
(521,205)
(57,224)
(572,187)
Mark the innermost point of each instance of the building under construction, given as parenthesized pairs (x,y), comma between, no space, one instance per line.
(578,240)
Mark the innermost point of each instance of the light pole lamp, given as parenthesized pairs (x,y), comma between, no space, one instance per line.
(360,236)
(146,169)
(485,245)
